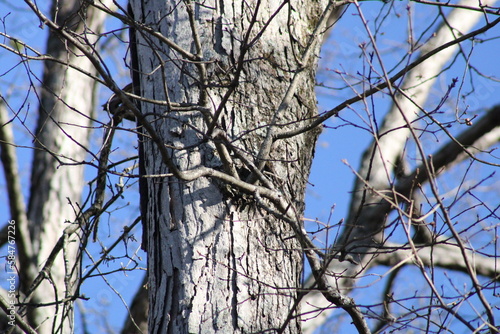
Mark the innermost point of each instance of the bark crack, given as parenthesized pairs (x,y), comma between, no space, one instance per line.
(233,273)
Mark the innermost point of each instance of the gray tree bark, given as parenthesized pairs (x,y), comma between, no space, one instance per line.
(217,260)
(227,127)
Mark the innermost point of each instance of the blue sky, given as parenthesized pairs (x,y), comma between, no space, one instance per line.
(331,180)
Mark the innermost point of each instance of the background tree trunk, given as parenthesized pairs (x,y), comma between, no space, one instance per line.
(217,262)
(61,140)
(383,165)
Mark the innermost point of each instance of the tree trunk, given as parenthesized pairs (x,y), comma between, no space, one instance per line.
(65,116)
(217,261)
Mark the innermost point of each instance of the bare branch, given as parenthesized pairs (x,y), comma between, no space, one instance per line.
(441,254)
(16,200)
(380,87)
